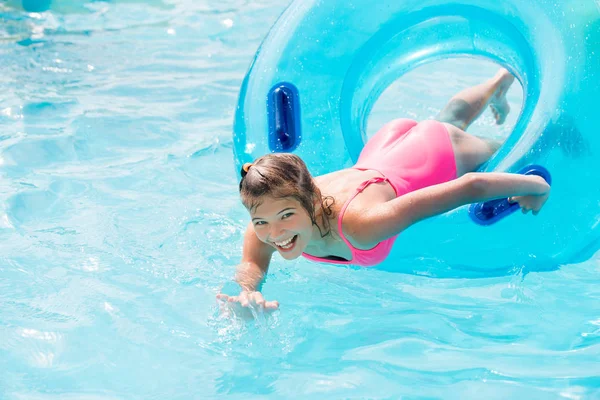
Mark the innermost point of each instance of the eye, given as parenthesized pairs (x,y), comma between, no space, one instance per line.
(259,223)
(287,215)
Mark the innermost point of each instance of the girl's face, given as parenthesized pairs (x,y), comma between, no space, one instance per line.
(283,224)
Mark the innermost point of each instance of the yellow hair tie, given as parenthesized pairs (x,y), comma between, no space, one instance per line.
(246,167)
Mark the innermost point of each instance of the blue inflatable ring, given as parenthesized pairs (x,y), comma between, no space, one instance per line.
(323,65)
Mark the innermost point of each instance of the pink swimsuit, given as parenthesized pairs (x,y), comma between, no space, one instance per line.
(410,156)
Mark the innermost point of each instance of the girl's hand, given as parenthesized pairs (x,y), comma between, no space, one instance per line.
(532,203)
(243,304)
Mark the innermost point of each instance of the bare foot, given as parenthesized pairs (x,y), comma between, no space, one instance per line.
(498,103)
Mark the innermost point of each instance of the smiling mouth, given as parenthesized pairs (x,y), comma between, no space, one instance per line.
(286,245)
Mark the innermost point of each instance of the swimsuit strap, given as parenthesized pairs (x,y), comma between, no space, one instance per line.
(360,188)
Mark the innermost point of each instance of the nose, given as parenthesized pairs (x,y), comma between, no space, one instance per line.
(276,232)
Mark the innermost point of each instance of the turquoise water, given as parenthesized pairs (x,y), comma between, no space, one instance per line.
(120,221)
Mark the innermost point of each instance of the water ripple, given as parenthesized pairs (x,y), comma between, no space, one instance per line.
(120,222)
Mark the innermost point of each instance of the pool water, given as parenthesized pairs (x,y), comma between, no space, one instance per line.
(120,221)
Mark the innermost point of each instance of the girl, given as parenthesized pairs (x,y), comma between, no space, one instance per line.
(407,172)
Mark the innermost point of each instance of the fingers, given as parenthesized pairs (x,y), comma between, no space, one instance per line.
(257,299)
(271,305)
(533,203)
(250,300)
(534,211)
(244,301)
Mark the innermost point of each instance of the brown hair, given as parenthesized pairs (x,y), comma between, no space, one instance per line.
(282,175)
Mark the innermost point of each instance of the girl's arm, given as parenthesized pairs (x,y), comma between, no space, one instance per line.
(250,275)
(385,220)
(256,257)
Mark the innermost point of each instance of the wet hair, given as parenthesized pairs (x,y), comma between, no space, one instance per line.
(284,175)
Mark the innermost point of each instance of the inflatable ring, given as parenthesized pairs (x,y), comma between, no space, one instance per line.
(323,65)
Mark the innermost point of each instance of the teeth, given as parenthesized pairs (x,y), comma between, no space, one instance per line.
(284,243)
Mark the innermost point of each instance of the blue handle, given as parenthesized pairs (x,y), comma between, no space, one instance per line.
(283,110)
(490,212)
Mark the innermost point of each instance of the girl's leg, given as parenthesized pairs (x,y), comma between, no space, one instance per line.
(467,105)
(471,152)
